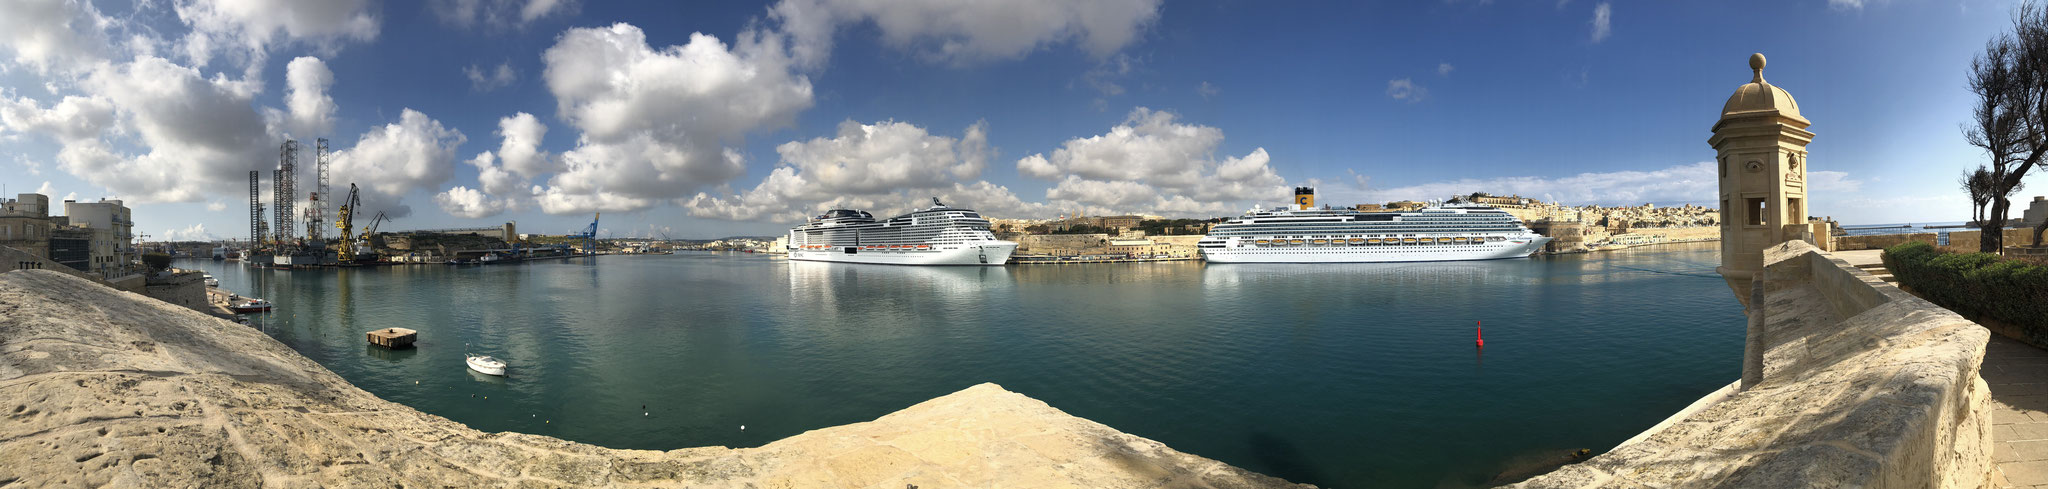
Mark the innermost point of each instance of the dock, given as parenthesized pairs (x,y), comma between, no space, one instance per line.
(393,338)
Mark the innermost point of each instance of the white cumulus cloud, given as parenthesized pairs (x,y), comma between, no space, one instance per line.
(1603,21)
(414,154)
(468,203)
(1406,89)
(881,167)
(497,13)
(312,110)
(961,32)
(195,232)
(1152,163)
(246,30)
(1695,183)
(487,79)
(655,122)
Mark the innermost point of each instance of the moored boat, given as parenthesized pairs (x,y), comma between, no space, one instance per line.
(252,305)
(486,364)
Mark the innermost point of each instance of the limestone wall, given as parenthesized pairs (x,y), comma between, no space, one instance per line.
(1862,385)
(106,388)
(1062,244)
(185,288)
(1957,240)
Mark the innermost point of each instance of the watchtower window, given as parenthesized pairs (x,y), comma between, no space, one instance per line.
(1794,212)
(1756,210)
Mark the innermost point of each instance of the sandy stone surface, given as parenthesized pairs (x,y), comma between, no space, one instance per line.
(105,388)
(1863,386)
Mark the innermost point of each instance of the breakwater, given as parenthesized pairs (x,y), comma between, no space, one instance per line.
(100,387)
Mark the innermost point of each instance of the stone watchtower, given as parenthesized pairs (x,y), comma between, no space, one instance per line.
(1761,143)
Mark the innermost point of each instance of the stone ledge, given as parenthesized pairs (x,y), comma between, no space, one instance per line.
(100,387)
(1863,386)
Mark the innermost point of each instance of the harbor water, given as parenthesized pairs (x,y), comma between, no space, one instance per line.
(1355,375)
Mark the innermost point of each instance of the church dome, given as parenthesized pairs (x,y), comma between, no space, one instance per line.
(1758,95)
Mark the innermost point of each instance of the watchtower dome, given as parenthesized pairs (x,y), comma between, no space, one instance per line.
(1760,143)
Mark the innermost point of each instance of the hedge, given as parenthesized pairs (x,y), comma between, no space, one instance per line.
(1976,285)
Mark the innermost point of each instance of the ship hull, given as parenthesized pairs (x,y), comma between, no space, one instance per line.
(994,253)
(1373,253)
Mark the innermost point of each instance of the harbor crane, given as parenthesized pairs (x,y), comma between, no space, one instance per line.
(347,253)
(589,235)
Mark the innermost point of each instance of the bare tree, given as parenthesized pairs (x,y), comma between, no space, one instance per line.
(2010,119)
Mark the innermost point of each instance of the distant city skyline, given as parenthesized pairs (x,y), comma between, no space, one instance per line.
(705,120)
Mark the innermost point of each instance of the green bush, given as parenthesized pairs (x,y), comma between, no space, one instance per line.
(1976,285)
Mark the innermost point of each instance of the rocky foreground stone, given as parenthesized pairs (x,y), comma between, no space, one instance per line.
(100,387)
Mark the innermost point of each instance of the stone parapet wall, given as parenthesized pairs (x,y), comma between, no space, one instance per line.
(1965,241)
(1861,385)
(104,388)
(185,288)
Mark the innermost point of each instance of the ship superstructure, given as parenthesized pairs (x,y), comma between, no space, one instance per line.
(936,235)
(1304,234)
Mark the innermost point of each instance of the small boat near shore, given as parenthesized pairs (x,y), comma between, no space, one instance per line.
(250,306)
(487,365)
(212,282)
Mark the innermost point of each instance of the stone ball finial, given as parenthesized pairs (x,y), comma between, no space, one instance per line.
(1756,64)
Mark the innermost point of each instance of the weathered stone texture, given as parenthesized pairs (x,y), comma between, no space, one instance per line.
(105,388)
(1863,386)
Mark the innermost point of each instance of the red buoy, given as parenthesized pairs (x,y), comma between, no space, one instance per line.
(1482,333)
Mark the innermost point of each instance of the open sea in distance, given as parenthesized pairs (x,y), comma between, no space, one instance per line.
(1345,376)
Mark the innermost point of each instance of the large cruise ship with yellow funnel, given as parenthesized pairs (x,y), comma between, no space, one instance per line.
(1304,234)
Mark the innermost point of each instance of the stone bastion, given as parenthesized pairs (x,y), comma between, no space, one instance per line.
(106,388)
(1852,383)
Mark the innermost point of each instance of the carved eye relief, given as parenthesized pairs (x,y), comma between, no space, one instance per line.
(1754,166)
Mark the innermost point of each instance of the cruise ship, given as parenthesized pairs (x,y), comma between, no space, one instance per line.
(936,235)
(1304,234)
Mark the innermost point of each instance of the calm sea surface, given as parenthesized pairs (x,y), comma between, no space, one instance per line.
(1338,375)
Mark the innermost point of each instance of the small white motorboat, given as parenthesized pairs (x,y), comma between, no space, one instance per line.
(212,282)
(486,364)
(250,306)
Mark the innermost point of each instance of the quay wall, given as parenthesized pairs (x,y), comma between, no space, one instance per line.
(106,388)
(1856,384)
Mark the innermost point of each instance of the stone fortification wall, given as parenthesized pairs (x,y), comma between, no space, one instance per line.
(1859,385)
(186,288)
(1957,240)
(104,388)
(1062,244)
(1678,233)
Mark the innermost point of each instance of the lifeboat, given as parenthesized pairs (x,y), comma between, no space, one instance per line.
(1459,239)
(1357,241)
(1264,242)
(1294,242)
(1372,241)
(1319,241)
(1443,240)
(923,246)
(1407,240)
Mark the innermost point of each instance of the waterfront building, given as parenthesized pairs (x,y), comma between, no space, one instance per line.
(113,234)
(25,224)
(1760,143)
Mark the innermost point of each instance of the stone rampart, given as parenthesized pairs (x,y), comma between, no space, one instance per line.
(1062,244)
(1965,241)
(105,388)
(1861,385)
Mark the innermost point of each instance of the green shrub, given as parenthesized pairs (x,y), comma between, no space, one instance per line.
(1976,285)
(156,261)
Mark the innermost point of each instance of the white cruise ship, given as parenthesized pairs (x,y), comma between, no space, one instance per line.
(937,235)
(1305,234)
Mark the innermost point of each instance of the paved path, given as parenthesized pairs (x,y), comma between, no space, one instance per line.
(2018,374)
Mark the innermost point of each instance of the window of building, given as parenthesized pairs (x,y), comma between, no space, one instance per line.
(1794,212)
(1755,205)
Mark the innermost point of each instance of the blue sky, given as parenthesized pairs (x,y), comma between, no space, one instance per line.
(708,119)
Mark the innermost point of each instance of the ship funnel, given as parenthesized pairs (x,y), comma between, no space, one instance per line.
(1304,198)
